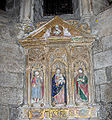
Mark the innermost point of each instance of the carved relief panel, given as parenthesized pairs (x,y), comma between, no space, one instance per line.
(58,73)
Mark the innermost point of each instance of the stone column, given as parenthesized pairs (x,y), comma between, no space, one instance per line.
(86,11)
(27,16)
(85,7)
(26,12)
(26,79)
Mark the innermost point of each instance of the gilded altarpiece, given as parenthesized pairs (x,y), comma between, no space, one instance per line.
(59,80)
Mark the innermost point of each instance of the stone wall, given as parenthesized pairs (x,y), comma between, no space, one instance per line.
(13,8)
(12,69)
(99,6)
(12,65)
(102,60)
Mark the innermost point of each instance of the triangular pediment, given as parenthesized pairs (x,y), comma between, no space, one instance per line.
(58,31)
(57,27)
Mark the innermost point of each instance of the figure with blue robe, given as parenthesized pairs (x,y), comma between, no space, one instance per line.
(37,85)
(58,88)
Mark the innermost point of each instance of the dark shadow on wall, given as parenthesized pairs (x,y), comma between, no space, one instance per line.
(57,7)
(3,5)
(110,2)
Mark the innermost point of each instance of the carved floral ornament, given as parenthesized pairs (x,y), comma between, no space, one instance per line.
(58,71)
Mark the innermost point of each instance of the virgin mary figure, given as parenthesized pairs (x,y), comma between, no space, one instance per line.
(58,88)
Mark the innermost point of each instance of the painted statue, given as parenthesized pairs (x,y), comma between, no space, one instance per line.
(58,88)
(57,31)
(81,86)
(37,87)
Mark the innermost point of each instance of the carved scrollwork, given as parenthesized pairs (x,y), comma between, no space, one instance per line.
(36,54)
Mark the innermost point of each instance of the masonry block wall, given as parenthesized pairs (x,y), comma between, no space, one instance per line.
(12,70)
(12,65)
(102,60)
(99,6)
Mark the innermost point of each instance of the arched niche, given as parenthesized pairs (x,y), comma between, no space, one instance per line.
(59,65)
(37,87)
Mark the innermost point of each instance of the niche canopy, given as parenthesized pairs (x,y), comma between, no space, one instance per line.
(59,31)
